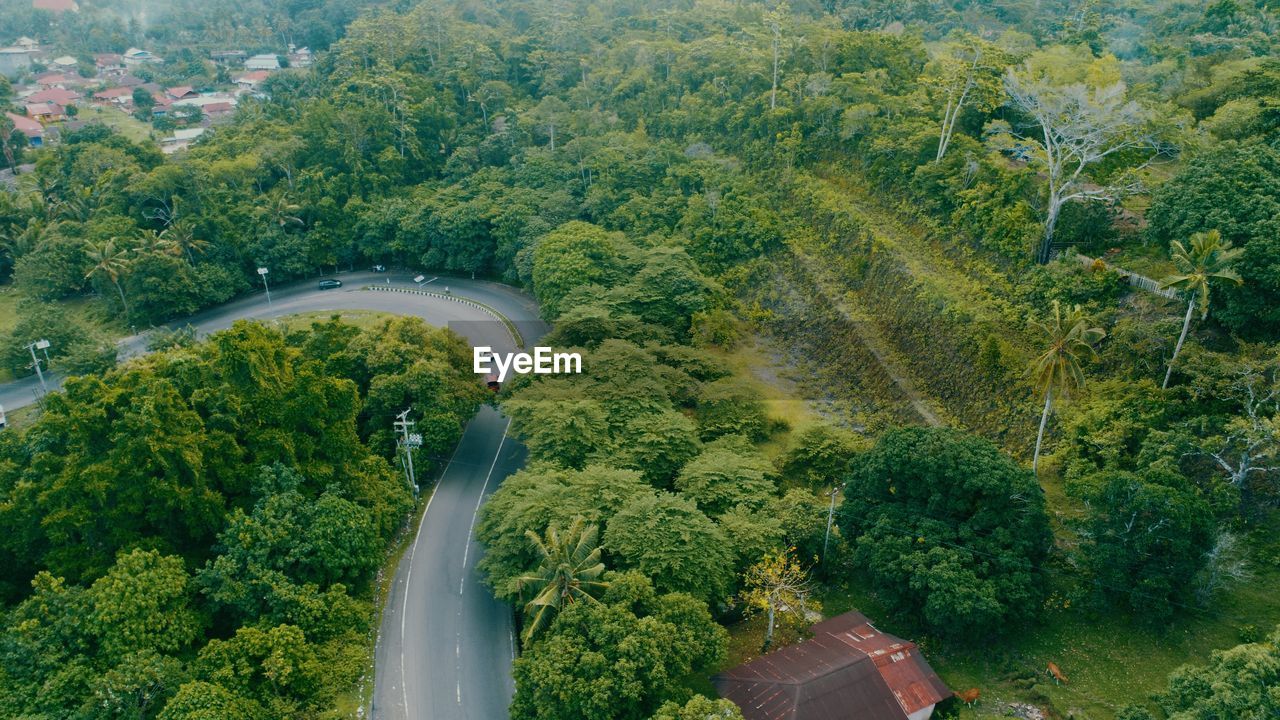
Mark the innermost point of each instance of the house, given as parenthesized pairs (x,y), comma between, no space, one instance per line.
(130,81)
(180,140)
(249,82)
(134,57)
(25,125)
(849,669)
(46,112)
(217,110)
(66,62)
(227,57)
(59,80)
(56,6)
(262,62)
(119,95)
(109,63)
(181,92)
(299,57)
(13,60)
(56,95)
(27,44)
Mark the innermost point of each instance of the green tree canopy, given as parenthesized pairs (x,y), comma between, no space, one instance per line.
(950,531)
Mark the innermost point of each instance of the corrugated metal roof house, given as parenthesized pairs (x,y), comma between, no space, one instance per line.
(848,670)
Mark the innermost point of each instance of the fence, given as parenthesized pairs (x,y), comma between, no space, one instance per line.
(511,327)
(1142,282)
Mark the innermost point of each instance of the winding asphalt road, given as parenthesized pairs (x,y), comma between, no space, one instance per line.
(445,644)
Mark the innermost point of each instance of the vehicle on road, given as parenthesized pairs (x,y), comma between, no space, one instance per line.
(330,284)
(379,268)
(3,423)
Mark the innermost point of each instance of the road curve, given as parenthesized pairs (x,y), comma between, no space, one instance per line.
(445,644)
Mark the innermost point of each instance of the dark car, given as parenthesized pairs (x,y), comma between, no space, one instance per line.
(330,284)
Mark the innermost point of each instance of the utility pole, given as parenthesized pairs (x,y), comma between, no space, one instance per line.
(831,511)
(263,272)
(35,361)
(408,441)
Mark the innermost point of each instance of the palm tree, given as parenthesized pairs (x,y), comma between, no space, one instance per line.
(283,212)
(184,241)
(569,571)
(1056,371)
(111,262)
(151,242)
(1205,262)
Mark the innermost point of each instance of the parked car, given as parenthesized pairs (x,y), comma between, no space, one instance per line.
(3,422)
(329,284)
(379,268)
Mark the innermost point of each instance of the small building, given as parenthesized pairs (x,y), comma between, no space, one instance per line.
(217,110)
(249,82)
(66,62)
(29,44)
(135,56)
(262,62)
(299,57)
(25,125)
(109,63)
(56,6)
(14,60)
(46,112)
(227,57)
(849,669)
(120,95)
(182,92)
(56,95)
(180,140)
(59,80)
(130,81)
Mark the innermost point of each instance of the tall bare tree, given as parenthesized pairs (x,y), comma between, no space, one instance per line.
(968,74)
(1078,127)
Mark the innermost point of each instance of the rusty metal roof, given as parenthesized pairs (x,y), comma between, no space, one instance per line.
(848,667)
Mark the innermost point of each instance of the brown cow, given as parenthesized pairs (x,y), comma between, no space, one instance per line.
(969,697)
(1056,672)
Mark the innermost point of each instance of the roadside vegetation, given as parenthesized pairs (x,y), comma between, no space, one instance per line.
(922,209)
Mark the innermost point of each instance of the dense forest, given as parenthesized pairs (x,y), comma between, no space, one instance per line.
(1024,257)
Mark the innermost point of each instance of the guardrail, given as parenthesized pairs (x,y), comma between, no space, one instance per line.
(512,330)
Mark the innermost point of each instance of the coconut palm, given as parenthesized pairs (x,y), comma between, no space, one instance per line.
(1056,371)
(184,241)
(1205,262)
(111,261)
(282,211)
(569,571)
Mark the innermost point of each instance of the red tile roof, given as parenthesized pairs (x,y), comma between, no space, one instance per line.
(849,669)
(254,77)
(55,5)
(112,93)
(37,109)
(180,92)
(53,95)
(26,125)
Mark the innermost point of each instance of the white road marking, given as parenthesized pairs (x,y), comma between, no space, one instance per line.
(479,500)
(404,607)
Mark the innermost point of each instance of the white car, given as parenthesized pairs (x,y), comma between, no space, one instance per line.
(3,423)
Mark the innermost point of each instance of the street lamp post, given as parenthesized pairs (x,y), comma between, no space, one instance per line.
(35,361)
(263,272)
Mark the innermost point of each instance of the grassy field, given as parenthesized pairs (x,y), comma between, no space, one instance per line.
(123,123)
(362,319)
